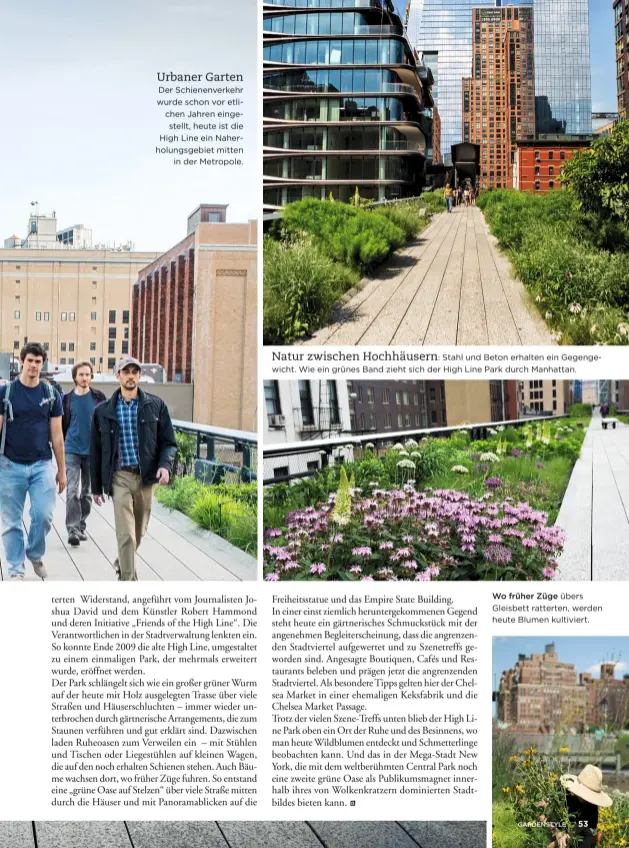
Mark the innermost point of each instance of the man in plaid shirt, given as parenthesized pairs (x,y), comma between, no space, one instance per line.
(132,449)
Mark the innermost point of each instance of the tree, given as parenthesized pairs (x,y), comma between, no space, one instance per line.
(598,177)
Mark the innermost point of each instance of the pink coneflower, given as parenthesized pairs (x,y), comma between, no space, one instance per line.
(499,554)
(386,546)
(356,569)
(273,534)
(273,576)
(364,551)
(549,572)
(529,543)
(317,568)
(495,539)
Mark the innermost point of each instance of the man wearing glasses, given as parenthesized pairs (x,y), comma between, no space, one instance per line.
(132,449)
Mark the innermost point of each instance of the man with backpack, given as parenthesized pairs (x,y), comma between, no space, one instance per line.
(78,409)
(30,420)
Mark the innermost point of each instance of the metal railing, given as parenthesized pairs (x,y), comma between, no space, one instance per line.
(296,460)
(325,88)
(220,455)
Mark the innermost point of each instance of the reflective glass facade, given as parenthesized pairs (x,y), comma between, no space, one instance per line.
(561,50)
(362,71)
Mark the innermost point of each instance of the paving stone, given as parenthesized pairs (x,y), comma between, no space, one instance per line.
(361,834)
(269,834)
(176,835)
(82,835)
(16,835)
(463,834)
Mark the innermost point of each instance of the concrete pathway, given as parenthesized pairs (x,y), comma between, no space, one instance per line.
(595,510)
(173,549)
(452,286)
(242,834)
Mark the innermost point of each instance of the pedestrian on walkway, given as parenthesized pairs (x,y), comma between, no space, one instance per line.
(78,408)
(30,419)
(132,449)
(604,409)
(448,196)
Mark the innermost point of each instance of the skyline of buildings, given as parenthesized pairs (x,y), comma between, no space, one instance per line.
(443,31)
(346,104)
(542,694)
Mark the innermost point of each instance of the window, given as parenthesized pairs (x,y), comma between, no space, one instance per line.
(38,316)
(272,397)
(71,347)
(407,419)
(551,171)
(71,361)
(405,398)
(551,155)
(94,284)
(537,156)
(280,471)
(125,320)
(63,346)
(333,403)
(72,316)
(112,347)
(17,282)
(93,360)
(305,402)
(371,395)
(400,420)
(92,345)
(537,170)
(313,465)
(433,416)
(362,422)
(372,421)
(62,360)
(93,301)
(112,316)
(125,347)
(46,316)
(16,314)
(433,395)
(387,421)
(112,332)
(93,269)
(93,316)
(398,398)
(64,316)
(16,345)
(386,396)
(46,346)
(111,363)
(536,185)
(551,185)
(126,332)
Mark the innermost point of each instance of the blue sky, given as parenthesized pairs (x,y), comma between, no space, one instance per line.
(586,652)
(602,54)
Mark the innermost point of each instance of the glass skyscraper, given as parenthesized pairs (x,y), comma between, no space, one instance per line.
(442,31)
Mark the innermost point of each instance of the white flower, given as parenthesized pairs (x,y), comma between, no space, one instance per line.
(411,443)
(403,453)
(575,308)
(460,469)
(489,457)
(369,445)
(548,316)
(405,463)
(594,329)
(397,447)
(556,337)
(538,298)
(501,428)
(492,431)
(623,329)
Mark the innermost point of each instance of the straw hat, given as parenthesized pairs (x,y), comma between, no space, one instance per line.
(588,784)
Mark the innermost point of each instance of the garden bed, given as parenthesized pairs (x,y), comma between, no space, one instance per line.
(319,250)
(440,509)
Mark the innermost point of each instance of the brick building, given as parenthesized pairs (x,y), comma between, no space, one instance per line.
(607,698)
(194,312)
(541,694)
(498,100)
(537,163)
(381,405)
(621,25)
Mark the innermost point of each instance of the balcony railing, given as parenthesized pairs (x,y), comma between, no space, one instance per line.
(218,454)
(319,419)
(299,457)
(383,88)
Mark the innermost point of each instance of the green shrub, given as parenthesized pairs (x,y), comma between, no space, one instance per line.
(301,284)
(504,828)
(404,216)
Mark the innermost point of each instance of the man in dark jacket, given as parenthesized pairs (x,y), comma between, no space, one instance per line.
(132,449)
(78,408)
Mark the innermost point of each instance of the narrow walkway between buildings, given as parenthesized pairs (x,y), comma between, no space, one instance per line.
(208,834)
(595,510)
(451,286)
(173,549)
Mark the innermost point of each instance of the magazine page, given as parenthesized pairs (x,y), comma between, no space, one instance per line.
(300,299)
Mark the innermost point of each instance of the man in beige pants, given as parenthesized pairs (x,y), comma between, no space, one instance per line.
(132,449)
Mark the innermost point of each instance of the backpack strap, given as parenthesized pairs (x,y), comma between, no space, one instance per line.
(7,414)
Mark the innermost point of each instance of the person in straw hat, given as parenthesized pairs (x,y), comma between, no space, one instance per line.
(584,796)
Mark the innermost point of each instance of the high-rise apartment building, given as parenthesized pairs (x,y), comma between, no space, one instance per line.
(194,312)
(442,31)
(621,32)
(498,101)
(541,693)
(345,105)
(537,396)
(382,406)
(56,289)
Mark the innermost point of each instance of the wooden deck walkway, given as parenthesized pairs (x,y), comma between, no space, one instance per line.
(595,510)
(452,286)
(173,549)
(242,834)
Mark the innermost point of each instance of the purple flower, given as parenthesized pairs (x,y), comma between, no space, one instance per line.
(364,551)
(495,539)
(499,554)
(481,467)
(317,568)
(516,452)
(549,572)
(273,534)
(529,543)
(272,576)
(539,464)
(356,569)
(493,483)
(386,546)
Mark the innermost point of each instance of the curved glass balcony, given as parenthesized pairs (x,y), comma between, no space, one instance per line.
(336,109)
(337,51)
(345,138)
(355,81)
(328,23)
(355,168)
(330,4)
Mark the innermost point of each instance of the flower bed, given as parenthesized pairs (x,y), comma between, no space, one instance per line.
(441,509)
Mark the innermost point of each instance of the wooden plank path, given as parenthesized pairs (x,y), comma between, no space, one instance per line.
(595,510)
(210,834)
(451,286)
(173,549)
